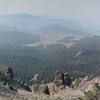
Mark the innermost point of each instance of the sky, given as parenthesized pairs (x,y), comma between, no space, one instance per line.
(65,9)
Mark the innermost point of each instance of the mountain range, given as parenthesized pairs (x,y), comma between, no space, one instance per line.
(31,23)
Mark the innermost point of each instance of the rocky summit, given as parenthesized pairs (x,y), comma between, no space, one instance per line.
(85,89)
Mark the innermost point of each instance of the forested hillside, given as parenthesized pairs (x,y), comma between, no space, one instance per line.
(78,59)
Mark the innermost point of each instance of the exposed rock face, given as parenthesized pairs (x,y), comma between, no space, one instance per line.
(67,94)
(86,84)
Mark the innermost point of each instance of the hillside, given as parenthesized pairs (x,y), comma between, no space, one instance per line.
(35,44)
(16,38)
(77,60)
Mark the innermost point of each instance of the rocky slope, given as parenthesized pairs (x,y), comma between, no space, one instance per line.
(85,84)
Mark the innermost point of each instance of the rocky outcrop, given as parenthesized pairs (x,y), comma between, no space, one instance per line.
(86,84)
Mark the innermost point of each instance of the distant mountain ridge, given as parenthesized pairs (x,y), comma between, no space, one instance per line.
(30,22)
(54,28)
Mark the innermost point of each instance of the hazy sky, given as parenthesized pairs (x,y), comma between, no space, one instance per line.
(73,9)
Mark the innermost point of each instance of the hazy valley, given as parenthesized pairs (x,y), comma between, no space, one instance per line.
(33,44)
